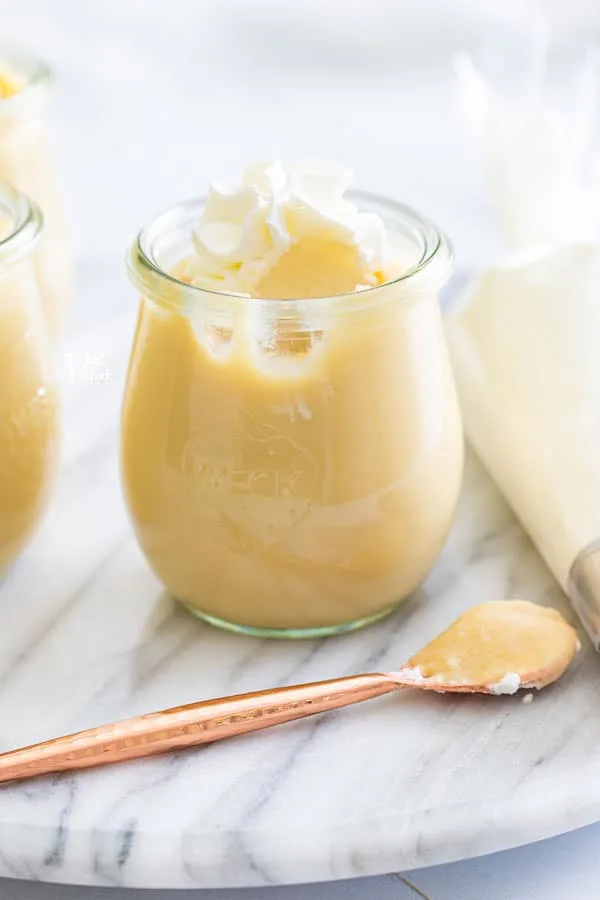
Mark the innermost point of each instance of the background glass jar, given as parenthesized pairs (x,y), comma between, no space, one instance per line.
(291,467)
(28,400)
(26,163)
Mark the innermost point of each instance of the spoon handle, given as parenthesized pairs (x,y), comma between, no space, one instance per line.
(189,726)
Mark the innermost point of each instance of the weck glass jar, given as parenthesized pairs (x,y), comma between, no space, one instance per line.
(26,163)
(28,397)
(291,467)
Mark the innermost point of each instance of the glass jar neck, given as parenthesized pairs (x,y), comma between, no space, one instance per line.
(167,241)
(20,225)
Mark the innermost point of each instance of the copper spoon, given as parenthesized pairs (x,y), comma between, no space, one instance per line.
(496,647)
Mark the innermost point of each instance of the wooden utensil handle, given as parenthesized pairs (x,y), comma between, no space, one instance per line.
(189,726)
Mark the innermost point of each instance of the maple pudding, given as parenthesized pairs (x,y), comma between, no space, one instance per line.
(291,440)
(28,398)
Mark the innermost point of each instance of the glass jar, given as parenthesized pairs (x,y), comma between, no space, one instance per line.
(291,467)
(26,163)
(28,400)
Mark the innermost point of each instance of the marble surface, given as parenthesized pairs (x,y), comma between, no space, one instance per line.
(563,867)
(86,634)
(556,869)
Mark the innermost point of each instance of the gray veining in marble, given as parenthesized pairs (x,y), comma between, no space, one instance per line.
(86,633)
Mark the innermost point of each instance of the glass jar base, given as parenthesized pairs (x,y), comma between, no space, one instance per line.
(290,633)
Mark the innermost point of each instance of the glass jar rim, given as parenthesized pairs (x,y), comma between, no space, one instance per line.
(39,77)
(26,222)
(150,278)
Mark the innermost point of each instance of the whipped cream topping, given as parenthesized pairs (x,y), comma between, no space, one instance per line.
(508,684)
(245,231)
(414,675)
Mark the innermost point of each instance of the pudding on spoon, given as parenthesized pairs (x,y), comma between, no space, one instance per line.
(498,647)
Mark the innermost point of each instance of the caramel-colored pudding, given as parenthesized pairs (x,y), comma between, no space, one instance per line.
(501,646)
(28,403)
(26,163)
(294,471)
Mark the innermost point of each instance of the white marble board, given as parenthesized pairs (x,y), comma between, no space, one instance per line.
(87,636)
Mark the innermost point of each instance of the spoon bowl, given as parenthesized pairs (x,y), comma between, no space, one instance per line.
(494,648)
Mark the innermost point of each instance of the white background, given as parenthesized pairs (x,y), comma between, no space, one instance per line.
(156,97)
